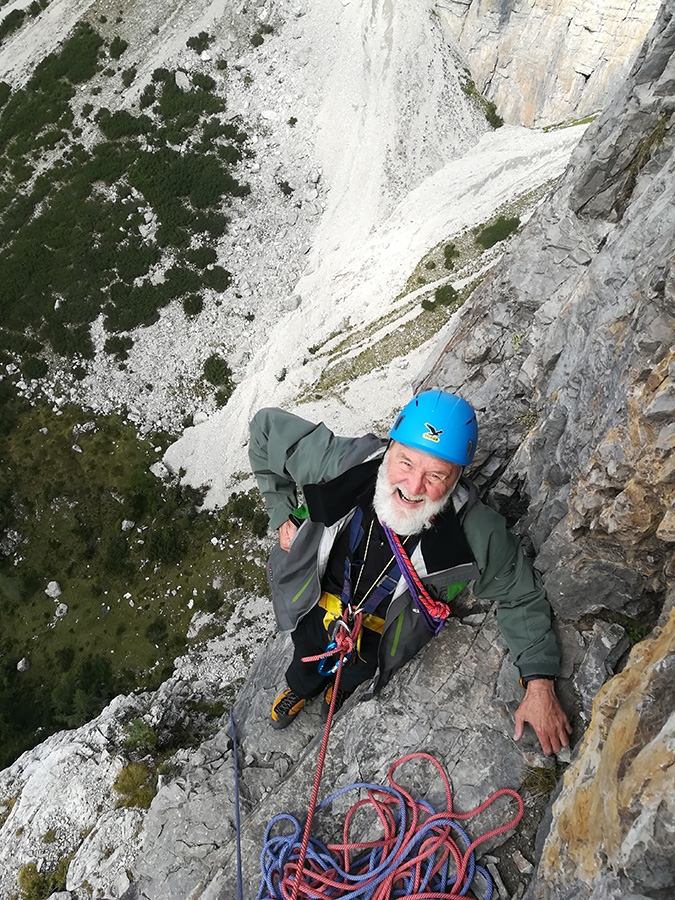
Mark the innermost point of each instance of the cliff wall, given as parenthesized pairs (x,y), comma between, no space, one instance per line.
(543,62)
(569,349)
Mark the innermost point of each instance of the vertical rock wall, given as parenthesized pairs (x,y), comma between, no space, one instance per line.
(543,62)
(615,815)
(568,349)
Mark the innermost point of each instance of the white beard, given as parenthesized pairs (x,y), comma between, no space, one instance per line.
(392,514)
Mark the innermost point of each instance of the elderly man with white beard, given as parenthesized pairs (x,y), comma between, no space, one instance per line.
(392,531)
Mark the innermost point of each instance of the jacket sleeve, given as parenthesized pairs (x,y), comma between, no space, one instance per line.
(523,612)
(287,452)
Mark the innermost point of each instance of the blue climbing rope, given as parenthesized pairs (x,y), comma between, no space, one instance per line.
(422,854)
(237,820)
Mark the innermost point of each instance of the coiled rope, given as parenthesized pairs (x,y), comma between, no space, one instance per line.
(417,857)
(421,854)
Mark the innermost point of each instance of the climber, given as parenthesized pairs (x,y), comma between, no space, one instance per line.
(394,530)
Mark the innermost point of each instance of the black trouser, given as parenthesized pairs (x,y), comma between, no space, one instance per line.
(310,638)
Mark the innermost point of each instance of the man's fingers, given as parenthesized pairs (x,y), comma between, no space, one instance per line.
(286,533)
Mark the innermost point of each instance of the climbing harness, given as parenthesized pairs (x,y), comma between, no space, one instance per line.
(342,614)
(421,854)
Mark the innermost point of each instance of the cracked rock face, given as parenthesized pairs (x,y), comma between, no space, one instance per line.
(612,834)
(542,63)
(581,416)
(582,419)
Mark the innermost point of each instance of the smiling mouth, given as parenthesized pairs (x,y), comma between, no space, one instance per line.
(406,499)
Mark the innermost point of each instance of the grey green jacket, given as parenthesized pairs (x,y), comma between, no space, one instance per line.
(288,452)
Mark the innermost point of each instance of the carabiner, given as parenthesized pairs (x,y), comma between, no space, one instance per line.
(324,663)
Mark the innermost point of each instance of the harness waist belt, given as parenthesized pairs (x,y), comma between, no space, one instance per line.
(334,608)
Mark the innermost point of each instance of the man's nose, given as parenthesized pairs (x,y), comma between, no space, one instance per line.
(415,483)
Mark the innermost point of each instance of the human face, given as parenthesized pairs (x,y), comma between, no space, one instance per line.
(412,487)
(418,475)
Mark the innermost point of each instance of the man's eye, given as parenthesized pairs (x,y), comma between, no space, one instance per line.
(434,478)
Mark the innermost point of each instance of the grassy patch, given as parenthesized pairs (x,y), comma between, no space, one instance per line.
(570,123)
(540,781)
(356,355)
(35,885)
(134,558)
(136,785)
(641,157)
(487,106)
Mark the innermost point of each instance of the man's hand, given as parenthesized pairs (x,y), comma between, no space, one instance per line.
(541,708)
(286,534)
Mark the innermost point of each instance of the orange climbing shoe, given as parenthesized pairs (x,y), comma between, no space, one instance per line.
(339,701)
(285,708)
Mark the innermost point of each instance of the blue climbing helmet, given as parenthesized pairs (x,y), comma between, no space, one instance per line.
(438,423)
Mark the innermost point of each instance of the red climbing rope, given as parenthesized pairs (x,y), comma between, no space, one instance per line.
(417,857)
(345,643)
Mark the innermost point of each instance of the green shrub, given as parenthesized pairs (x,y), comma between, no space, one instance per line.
(212,600)
(445,295)
(76,61)
(140,736)
(217,278)
(450,252)
(229,154)
(119,346)
(257,39)
(121,124)
(217,371)
(203,81)
(117,47)
(70,340)
(201,256)
(65,656)
(200,42)
(148,96)
(248,508)
(128,76)
(157,631)
(491,115)
(193,305)
(12,22)
(489,109)
(166,545)
(498,231)
(37,886)
(34,367)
